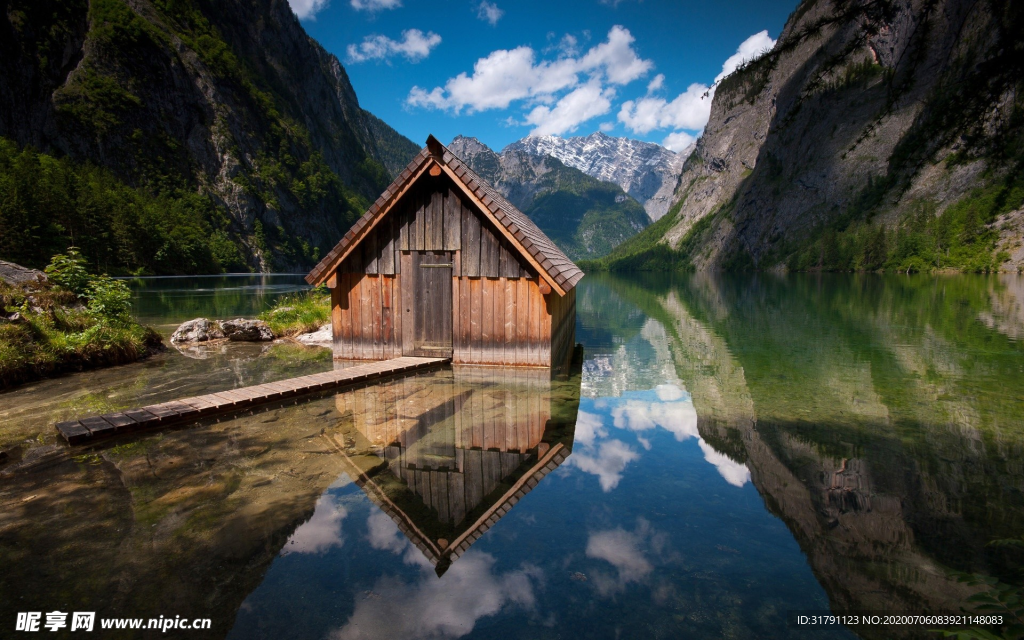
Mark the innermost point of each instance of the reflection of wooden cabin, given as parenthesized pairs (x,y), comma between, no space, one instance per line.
(446,454)
(442,265)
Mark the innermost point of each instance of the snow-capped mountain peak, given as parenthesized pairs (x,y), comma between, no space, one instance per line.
(644,170)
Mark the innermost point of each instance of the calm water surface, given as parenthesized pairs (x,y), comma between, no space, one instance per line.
(733,450)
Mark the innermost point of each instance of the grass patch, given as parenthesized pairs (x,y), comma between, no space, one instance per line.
(299,313)
(45,329)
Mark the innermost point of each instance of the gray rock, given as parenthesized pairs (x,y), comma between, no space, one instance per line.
(322,337)
(198,330)
(17,275)
(242,330)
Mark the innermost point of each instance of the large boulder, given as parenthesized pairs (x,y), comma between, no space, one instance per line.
(17,275)
(198,330)
(242,330)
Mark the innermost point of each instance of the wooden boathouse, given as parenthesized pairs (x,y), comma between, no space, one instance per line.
(441,265)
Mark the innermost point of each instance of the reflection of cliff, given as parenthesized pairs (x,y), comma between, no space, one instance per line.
(864,425)
(1007,313)
(447,455)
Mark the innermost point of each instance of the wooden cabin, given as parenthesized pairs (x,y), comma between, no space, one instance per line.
(447,454)
(441,265)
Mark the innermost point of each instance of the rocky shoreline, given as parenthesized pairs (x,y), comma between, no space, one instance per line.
(204,330)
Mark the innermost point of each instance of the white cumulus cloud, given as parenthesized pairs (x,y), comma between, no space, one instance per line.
(576,107)
(657,83)
(690,110)
(678,141)
(414,45)
(617,58)
(562,92)
(307,9)
(489,12)
(750,49)
(375,5)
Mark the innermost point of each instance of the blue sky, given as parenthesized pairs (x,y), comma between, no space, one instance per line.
(501,70)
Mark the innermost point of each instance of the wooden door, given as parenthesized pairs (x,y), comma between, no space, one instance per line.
(427,324)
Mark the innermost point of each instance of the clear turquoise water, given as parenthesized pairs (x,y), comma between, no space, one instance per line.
(742,448)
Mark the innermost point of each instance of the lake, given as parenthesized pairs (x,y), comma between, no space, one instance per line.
(733,452)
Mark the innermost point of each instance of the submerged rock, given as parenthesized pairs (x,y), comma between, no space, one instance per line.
(242,330)
(198,330)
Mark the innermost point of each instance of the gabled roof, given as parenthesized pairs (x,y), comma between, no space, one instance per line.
(534,246)
(442,553)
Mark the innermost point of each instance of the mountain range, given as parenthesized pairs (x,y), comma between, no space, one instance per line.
(584,216)
(644,170)
(876,134)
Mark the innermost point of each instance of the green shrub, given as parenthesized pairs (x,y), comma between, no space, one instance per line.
(110,299)
(68,271)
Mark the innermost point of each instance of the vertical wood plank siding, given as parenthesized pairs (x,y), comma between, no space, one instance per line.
(499,315)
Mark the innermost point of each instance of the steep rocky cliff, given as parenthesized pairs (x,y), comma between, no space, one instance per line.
(585,217)
(229,99)
(876,134)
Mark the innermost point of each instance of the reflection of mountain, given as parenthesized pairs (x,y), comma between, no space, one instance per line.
(447,455)
(867,421)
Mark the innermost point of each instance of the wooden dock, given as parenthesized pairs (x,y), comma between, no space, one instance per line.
(89,429)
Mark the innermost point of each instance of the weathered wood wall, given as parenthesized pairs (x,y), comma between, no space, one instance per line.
(499,315)
(499,321)
(366,317)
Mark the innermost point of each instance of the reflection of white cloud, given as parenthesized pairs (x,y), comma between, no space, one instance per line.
(588,428)
(612,458)
(321,532)
(734,472)
(623,550)
(668,406)
(384,533)
(445,608)
(669,392)
(676,416)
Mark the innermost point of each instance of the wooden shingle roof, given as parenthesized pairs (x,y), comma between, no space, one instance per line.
(532,243)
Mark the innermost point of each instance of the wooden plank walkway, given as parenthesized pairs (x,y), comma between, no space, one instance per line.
(89,429)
